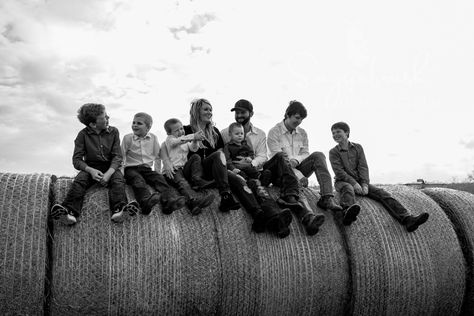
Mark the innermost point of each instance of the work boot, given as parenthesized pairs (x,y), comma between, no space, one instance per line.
(258,224)
(350,214)
(150,203)
(327,202)
(312,222)
(228,202)
(412,222)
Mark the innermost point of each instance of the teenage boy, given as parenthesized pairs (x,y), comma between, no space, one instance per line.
(352,177)
(256,138)
(174,153)
(97,156)
(141,150)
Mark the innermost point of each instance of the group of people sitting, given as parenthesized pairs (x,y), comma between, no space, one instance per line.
(238,160)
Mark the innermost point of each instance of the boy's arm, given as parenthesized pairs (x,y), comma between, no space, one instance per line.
(273,143)
(125,146)
(304,151)
(338,168)
(156,154)
(260,150)
(79,152)
(363,167)
(168,169)
(116,162)
(228,158)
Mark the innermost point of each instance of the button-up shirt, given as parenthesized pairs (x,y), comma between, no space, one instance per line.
(349,164)
(92,149)
(178,148)
(294,143)
(141,151)
(232,150)
(257,139)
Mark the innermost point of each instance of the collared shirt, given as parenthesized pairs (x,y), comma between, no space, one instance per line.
(178,148)
(349,164)
(141,151)
(92,149)
(257,139)
(294,144)
(232,150)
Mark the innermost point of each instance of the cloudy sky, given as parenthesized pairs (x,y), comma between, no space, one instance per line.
(400,73)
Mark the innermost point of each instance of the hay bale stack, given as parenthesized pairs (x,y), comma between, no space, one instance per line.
(400,273)
(23,233)
(459,206)
(214,264)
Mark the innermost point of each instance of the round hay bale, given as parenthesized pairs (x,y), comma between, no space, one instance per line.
(23,237)
(459,206)
(399,273)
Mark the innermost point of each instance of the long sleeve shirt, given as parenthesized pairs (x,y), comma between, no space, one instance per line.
(92,149)
(177,149)
(141,151)
(205,148)
(257,139)
(232,150)
(294,144)
(349,165)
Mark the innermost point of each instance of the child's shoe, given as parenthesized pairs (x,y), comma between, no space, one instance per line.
(279,223)
(258,224)
(62,214)
(350,214)
(228,202)
(128,210)
(312,222)
(266,178)
(412,222)
(173,204)
(327,202)
(150,203)
(194,206)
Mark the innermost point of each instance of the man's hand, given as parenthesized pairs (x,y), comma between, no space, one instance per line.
(358,189)
(365,189)
(294,163)
(95,174)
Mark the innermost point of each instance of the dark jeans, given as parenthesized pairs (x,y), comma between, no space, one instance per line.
(316,162)
(139,176)
(282,174)
(179,182)
(395,208)
(211,168)
(249,172)
(83,181)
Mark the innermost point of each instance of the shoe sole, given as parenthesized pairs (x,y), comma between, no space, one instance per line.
(351,214)
(128,211)
(420,221)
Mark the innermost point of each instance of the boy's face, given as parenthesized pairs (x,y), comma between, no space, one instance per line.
(101,122)
(294,121)
(237,134)
(339,135)
(177,129)
(139,127)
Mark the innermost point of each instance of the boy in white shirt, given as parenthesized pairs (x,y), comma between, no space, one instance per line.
(141,150)
(174,152)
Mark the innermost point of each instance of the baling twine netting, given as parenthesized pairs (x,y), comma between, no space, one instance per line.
(23,232)
(459,206)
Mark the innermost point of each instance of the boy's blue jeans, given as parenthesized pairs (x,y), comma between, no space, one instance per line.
(316,162)
(83,181)
(395,208)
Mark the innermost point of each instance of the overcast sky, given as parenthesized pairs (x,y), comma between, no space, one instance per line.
(401,73)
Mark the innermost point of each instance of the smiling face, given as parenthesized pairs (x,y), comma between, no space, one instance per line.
(205,113)
(292,122)
(339,135)
(176,129)
(237,134)
(139,126)
(242,116)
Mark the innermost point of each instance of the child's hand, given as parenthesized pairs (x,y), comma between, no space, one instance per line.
(365,189)
(95,174)
(248,159)
(236,171)
(294,163)
(199,136)
(169,172)
(358,189)
(105,179)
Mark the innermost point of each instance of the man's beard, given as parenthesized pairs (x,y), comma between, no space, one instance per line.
(244,121)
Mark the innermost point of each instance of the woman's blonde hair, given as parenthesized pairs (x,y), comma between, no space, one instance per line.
(194,119)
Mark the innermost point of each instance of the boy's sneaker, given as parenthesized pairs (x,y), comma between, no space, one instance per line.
(266,177)
(128,210)
(173,204)
(312,222)
(327,202)
(412,222)
(228,202)
(62,214)
(193,205)
(290,202)
(350,214)
(150,203)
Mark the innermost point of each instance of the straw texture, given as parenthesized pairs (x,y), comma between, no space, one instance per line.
(459,206)
(23,234)
(399,273)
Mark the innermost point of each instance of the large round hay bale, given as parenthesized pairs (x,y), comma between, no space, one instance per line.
(23,234)
(459,206)
(399,273)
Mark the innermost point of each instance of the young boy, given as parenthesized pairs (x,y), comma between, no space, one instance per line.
(175,152)
(97,156)
(141,151)
(238,149)
(352,177)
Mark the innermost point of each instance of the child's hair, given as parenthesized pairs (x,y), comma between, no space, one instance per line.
(341,125)
(89,112)
(234,125)
(209,133)
(168,124)
(296,107)
(146,117)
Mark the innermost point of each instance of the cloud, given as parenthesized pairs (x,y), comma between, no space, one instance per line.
(198,22)
(468,144)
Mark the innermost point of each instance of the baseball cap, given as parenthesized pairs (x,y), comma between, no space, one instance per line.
(243,105)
